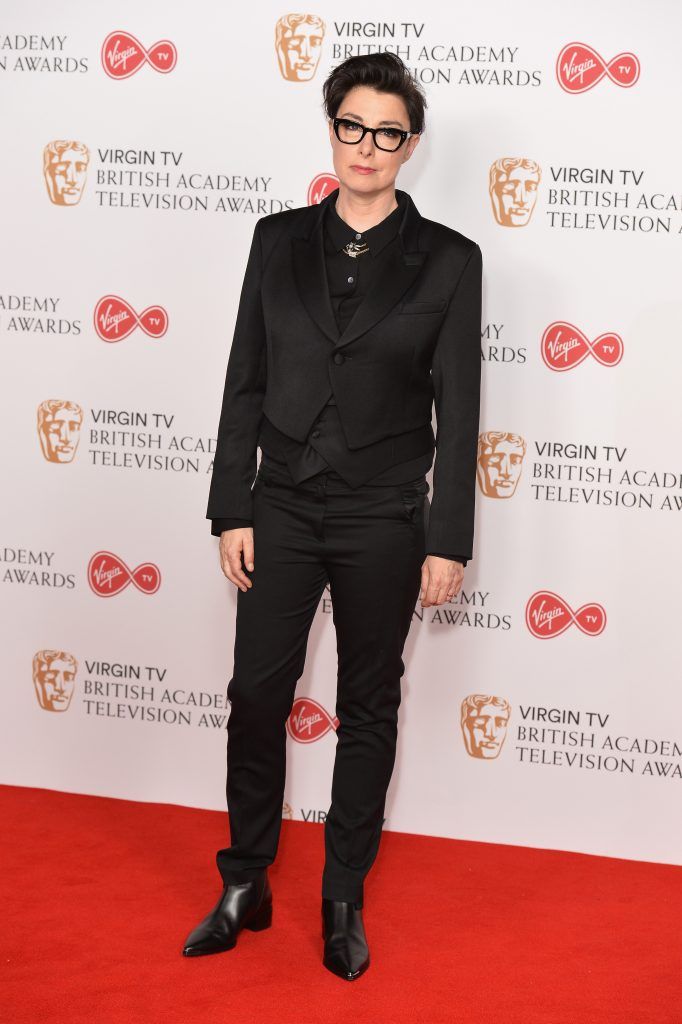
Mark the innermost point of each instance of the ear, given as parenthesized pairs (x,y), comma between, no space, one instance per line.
(411,145)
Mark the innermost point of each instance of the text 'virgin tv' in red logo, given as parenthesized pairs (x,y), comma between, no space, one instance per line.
(548,615)
(309,721)
(564,346)
(108,575)
(115,319)
(579,68)
(123,55)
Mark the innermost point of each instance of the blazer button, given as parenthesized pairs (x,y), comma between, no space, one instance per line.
(315,433)
(338,358)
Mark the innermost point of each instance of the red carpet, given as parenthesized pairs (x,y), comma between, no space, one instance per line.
(100,894)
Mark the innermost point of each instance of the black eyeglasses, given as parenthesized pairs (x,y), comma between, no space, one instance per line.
(350,132)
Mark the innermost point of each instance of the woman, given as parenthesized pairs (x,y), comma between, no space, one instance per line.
(355,316)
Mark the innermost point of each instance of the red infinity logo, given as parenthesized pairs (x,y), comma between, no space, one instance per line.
(548,615)
(564,346)
(109,575)
(579,68)
(320,187)
(115,319)
(123,55)
(309,721)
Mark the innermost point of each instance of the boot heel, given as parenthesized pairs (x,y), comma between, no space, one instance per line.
(261,919)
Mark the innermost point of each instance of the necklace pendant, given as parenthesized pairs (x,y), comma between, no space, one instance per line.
(355,250)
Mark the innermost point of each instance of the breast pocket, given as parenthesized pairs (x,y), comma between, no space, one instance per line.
(423,306)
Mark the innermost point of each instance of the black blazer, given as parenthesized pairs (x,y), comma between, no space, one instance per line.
(415,340)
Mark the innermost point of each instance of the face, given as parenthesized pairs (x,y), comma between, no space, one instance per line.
(54,683)
(300,48)
(515,195)
(373,109)
(501,468)
(67,177)
(60,434)
(485,730)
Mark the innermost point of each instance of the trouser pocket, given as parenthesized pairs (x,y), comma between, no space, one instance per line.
(413,496)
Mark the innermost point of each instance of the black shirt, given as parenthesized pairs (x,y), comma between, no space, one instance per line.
(349,279)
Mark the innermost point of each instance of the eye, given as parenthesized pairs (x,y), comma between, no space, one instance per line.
(352,125)
(390,133)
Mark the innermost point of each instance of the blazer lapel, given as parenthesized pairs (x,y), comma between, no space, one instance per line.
(311,273)
(394,278)
(398,271)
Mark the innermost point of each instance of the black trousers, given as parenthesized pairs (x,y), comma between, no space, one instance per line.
(368,544)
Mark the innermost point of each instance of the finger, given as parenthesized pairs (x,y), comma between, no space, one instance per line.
(234,569)
(226,567)
(441,596)
(437,588)
(432,592)
(424,582)
(248,552)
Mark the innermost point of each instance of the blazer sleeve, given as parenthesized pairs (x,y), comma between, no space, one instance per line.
(456,376)
(235,460)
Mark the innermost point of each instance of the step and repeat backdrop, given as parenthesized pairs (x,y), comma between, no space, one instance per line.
(542,706)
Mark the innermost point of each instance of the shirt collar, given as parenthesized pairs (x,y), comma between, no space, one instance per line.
(376,237)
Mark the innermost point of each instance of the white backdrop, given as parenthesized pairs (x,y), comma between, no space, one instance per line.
(154,177)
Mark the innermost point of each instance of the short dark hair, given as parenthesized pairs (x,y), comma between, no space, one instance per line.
(383,71)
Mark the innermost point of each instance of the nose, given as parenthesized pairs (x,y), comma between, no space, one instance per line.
(366,147)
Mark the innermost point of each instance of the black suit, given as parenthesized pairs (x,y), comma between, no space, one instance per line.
(413,341)
(413,336)
(349,279)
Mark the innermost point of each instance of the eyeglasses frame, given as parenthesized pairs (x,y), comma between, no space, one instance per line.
(373,132)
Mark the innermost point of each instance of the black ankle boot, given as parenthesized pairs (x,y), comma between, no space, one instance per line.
(247,905)
(345,943)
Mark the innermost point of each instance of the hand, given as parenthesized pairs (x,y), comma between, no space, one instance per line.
(232,544)
(441,580)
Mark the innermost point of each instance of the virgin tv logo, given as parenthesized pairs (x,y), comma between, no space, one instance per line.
(564,346)
(548,616)
(115,319)
(320,187)
(579,67)
(123,55)
(108,575)
(309,721)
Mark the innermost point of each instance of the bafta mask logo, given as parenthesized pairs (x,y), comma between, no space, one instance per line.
(54,678)
(579,68)
(484,724)
(564,346)
(65,168)
(115,319)
(59,429)
(320,187)
(123,55)
(513,187)
(309,721)
(287,811)
(298,45)
(499,464)
(548,616)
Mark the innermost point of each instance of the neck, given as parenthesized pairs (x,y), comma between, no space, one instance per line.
(362,211)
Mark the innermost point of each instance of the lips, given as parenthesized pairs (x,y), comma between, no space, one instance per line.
(362,170)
